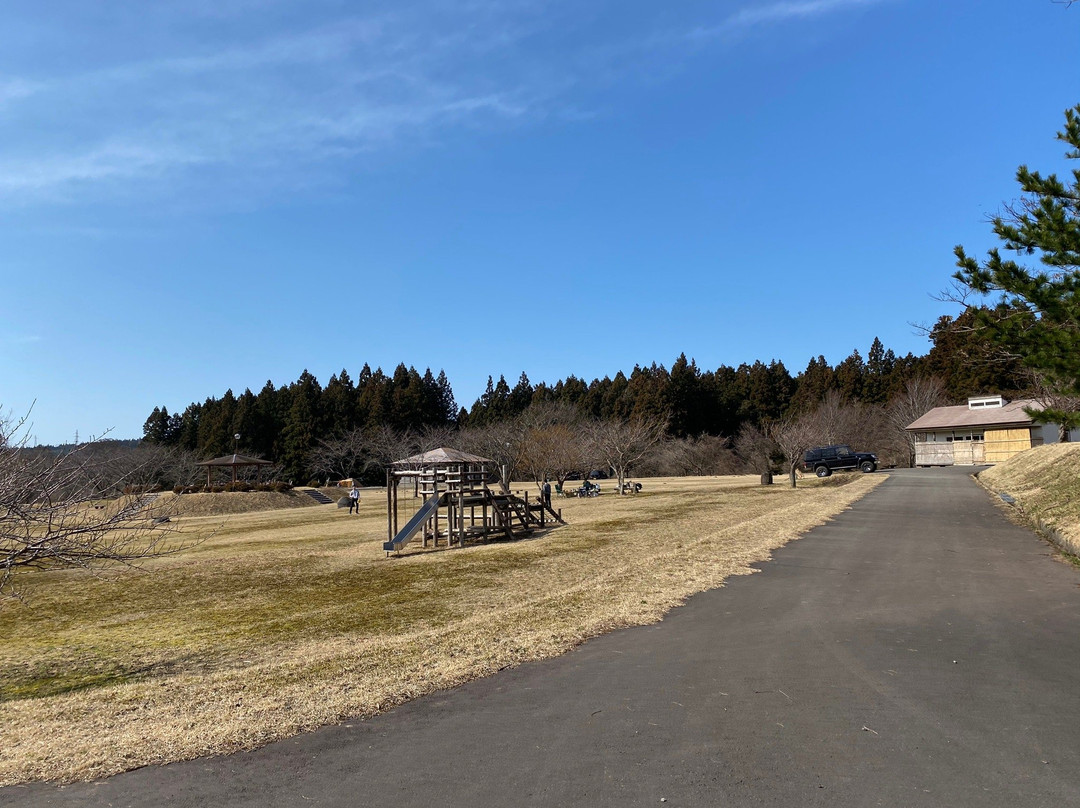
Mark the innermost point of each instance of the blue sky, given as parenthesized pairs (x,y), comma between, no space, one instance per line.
(206,195)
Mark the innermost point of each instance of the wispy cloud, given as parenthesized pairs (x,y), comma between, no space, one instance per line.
(111,161)
(280,103)
(780,12)
(277,108)
(13,89)
(331,43)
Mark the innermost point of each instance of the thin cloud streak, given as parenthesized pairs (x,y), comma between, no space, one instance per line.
(322,45)
(335,90)
(780,13)
(16,89)
(108,162)
(272,110)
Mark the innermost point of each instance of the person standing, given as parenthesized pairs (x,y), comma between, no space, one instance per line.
(354,499)
(547,493)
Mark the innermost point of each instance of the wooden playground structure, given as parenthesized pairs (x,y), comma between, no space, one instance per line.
(457,504)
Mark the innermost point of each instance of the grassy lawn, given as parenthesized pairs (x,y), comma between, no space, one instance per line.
(289,619)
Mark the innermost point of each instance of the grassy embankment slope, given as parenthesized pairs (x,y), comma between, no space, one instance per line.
(292,618)
(1045,482)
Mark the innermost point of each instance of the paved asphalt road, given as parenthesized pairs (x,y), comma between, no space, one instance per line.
(919,650)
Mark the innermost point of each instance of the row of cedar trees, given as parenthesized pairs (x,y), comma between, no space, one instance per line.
(285,424)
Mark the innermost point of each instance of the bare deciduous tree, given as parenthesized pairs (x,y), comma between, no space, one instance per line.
(181,467)
(691,456)
(621,444)
(501,442)
(794,434)
(755,447)
(554,452)
(434,437)
(387,445)
(341,457)
(921,394)
(62,510)
(835,421)
(554,443)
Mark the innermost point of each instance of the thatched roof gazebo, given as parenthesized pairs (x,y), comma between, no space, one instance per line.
(233,461)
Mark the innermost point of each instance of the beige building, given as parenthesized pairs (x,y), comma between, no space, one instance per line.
(988,429)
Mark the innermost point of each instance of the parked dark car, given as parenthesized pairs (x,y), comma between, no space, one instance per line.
(824,460)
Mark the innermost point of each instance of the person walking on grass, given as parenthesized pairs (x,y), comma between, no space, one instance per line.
(354,500)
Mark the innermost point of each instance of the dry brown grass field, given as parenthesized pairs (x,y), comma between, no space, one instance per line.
(1045,484)
(288,619)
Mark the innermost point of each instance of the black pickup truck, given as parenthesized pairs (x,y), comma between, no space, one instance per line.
(824,460)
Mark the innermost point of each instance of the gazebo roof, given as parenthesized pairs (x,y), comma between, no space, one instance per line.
(235,460)
(441,455)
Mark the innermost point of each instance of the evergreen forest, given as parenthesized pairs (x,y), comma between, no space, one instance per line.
(289,424)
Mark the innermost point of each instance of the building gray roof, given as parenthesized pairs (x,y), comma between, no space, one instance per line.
(960,416)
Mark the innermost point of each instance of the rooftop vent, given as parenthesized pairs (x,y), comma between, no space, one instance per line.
(986,403)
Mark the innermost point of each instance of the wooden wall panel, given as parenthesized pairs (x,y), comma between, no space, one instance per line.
(1001,444)
(933,454)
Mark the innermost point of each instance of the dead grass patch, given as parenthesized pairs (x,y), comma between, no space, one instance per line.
(234,502)
(1045,484)
(287,620)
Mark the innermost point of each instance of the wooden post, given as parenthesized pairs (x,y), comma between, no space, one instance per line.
(391,508)
(432,524)
(461,508)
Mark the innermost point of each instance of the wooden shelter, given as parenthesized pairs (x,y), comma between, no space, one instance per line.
(233,461)
(988,429)
(457,504)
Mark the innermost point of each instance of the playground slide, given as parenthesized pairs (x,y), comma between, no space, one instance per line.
(405,535)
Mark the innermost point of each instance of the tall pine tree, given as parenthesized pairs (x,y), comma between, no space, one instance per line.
(1037,316)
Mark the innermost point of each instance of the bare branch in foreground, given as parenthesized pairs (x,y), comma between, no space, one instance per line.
(70,509)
